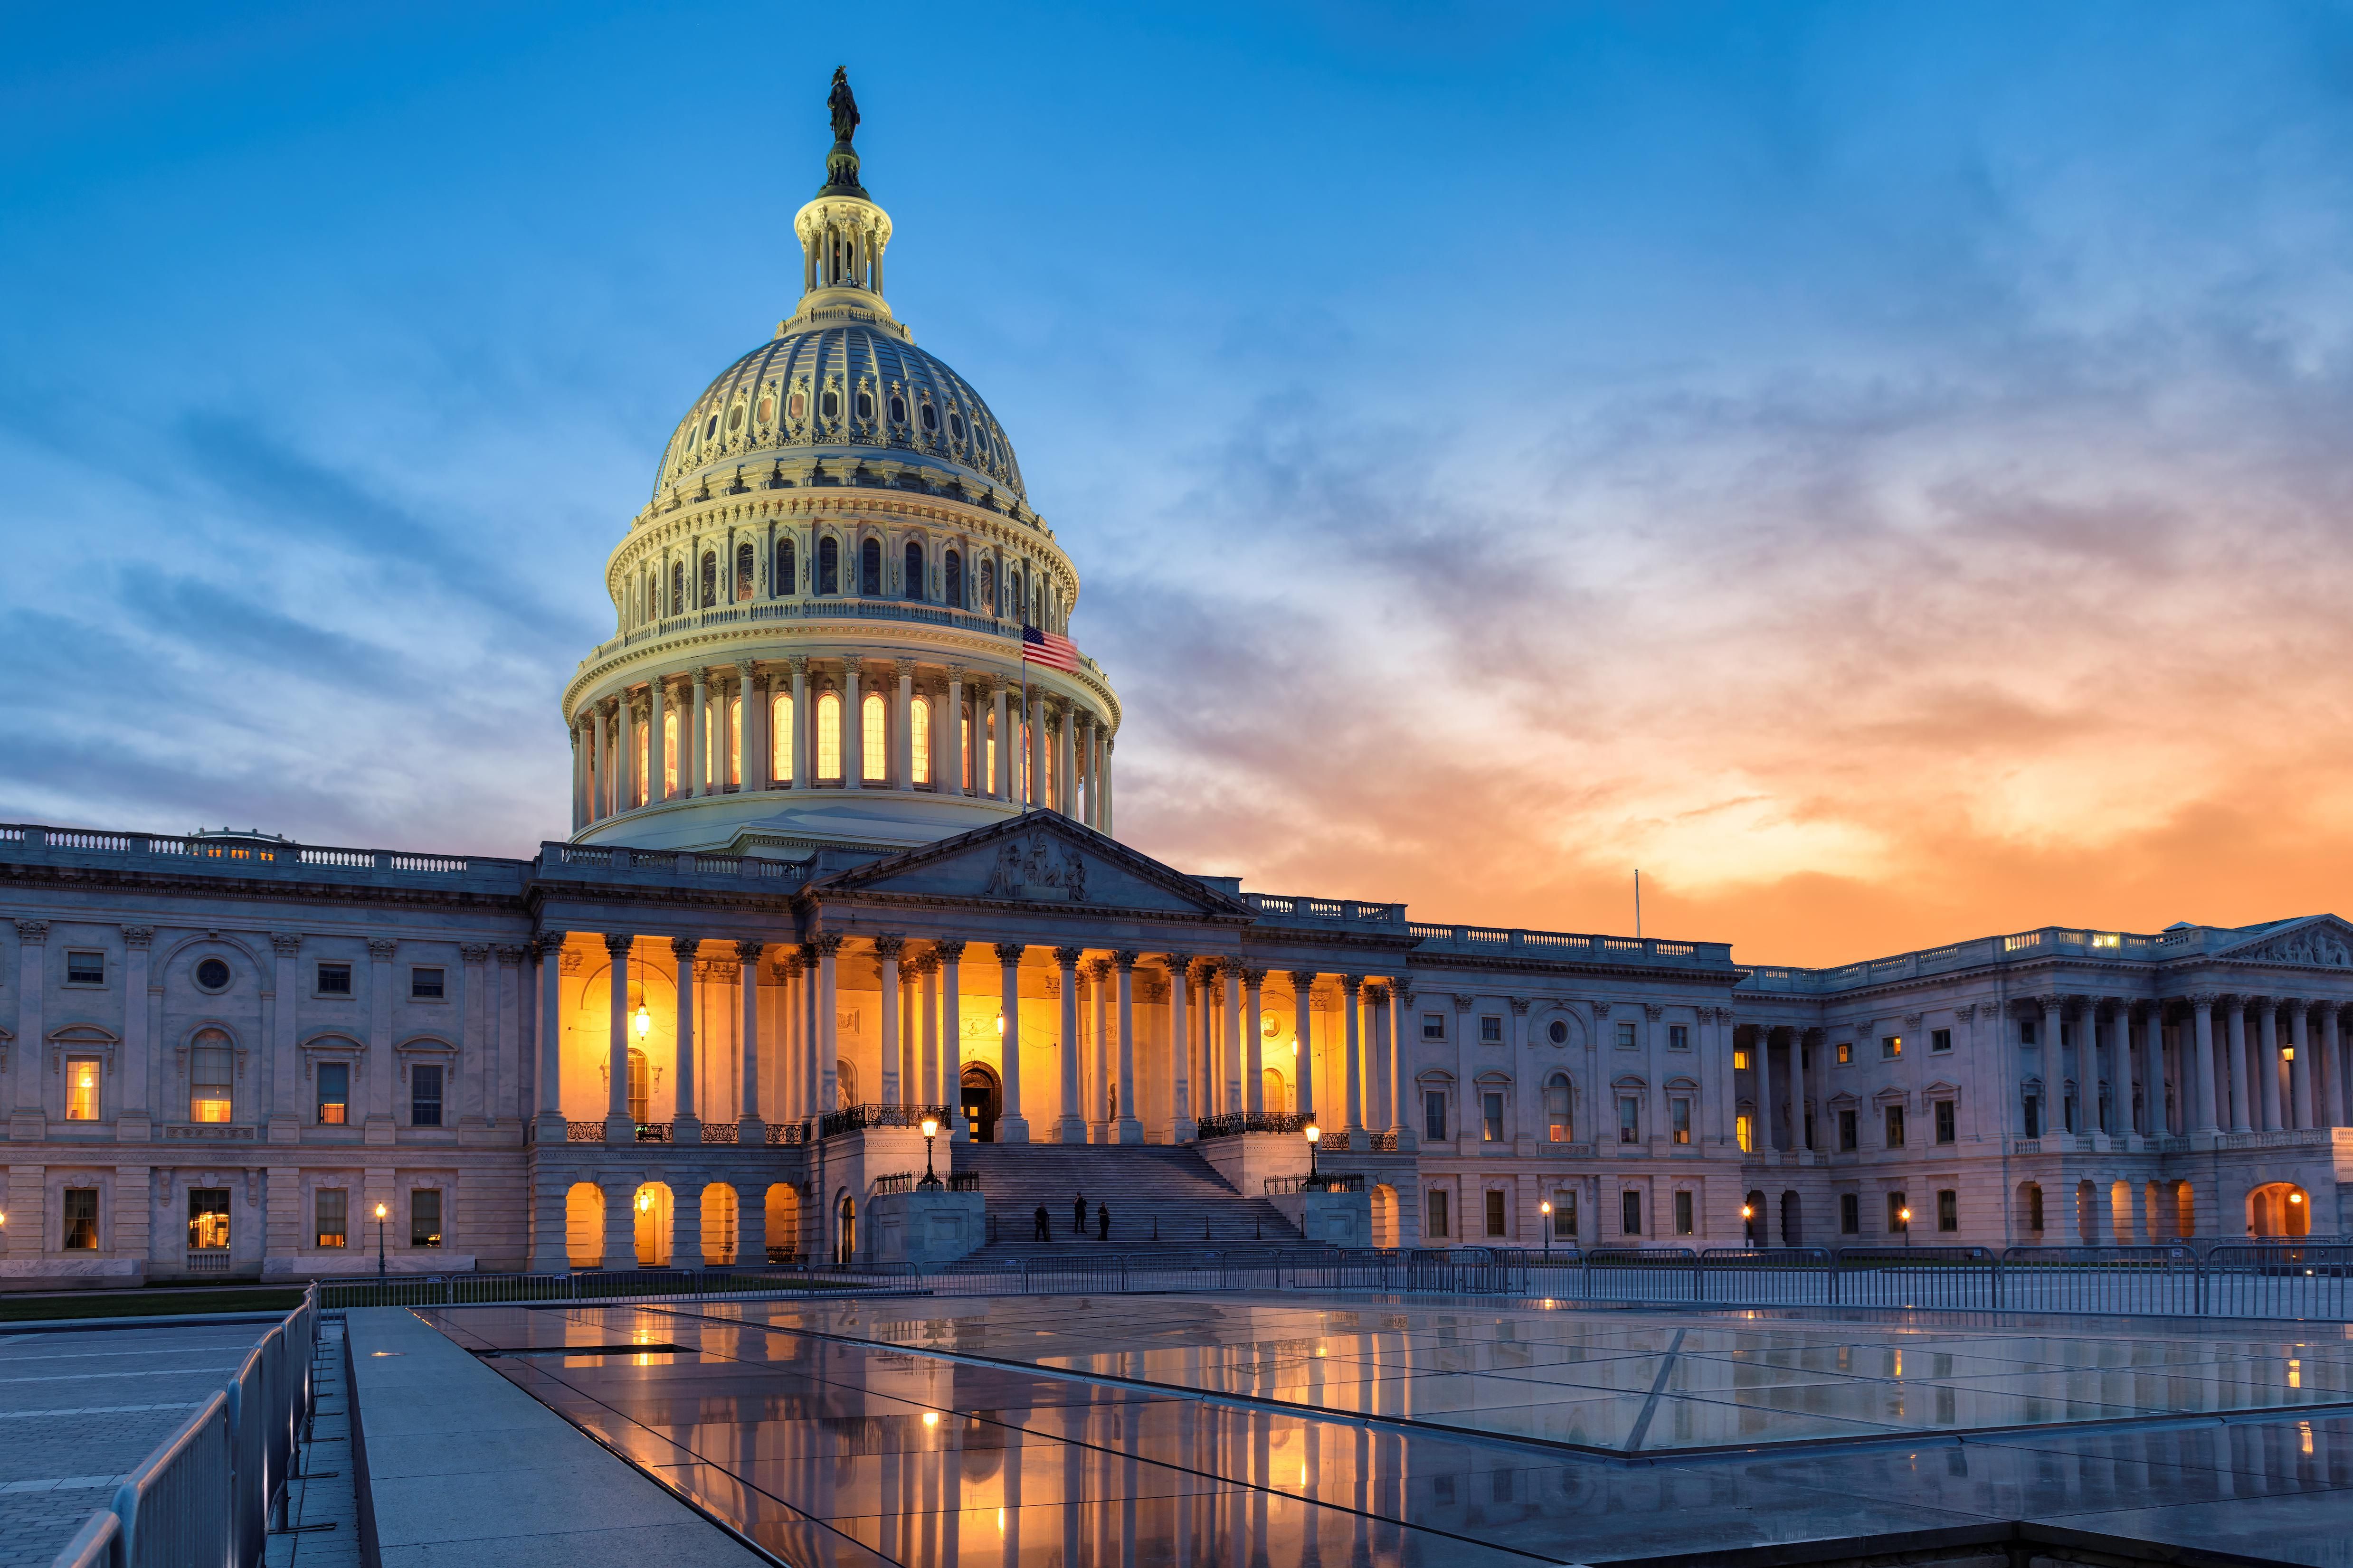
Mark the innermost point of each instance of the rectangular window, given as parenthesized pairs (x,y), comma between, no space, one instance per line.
(426,984)
(1629,1212)
(1899,1217)
(1625,1037)
(84,968)
(81,1230)
(333,1205)
(1849,1213)
(1491,1118)
(424,1095)
(1434,1026)
(1433,1115)
(1743,1128)
(2032,1123)
(334,980)
(2033,1206)
(1630,1119)
(208,1219)
(1739,1061)
(1556,1117)
(334,1093)
(81,1089)
(2026,1031)
(1845,1052)
(1494,1214)
(1944,1122)
(1438,1228)
(1678,1037)
(424,1217)
(209,1079)
(1683,1226)
(1940,1040)
(1564,1216)
(1895,1127)
(1949,1210)
(1848,1139)
(1890,1046)
(1679,1120)
(1490,1029)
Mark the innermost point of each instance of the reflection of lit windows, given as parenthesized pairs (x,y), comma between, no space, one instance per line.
(208,1219)
(1679,1120)
(1743,1128)
(1630,1119)
(333,1205)
(81,1089)
(1845,1052)
(1890,1047)
(211,1065)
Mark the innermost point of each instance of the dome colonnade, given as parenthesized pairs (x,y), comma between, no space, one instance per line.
(819,613)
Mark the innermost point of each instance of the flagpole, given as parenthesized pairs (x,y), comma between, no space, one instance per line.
(1022,728)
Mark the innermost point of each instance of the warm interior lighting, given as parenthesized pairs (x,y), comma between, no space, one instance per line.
(1000,1023)
(931,1127)
(1294,1045)
(645,1202)
(644,1021)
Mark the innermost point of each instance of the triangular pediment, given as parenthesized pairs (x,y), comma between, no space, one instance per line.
(2314,941)
(1040,859)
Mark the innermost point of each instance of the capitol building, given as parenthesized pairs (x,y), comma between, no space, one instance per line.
(843,857)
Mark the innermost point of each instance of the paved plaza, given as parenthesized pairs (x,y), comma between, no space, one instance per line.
(1292,1429)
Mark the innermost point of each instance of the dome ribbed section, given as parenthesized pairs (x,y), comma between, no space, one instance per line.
(844,390)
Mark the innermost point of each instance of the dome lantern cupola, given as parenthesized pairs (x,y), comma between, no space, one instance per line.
(842,233)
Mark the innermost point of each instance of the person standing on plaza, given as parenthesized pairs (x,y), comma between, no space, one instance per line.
(1102,1222)
(1079,1215)
(1044,1231)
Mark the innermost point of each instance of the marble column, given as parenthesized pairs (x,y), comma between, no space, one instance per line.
(853,728)
(750,1125)
(1402,1110)
(1066,795)
(902,732)
(2264,1026)
(1012,1127)
(1071,1125)
(951,957)
(1233,1060)
(790,1072)
(826,1042)
(1094,1061)
(547,953)
(802,719)
(887,948)
(950,777)
(600,775)
(697,780)
(932,1092)
(1129,1127)
(1253,1043)
(1182,1125)
(1034,790)
(2154,1120)
(686,1123)
(619,1128)
(1351,987)
(657,748)
(757,751)
(1303,1065)
(1105,825)
(996,743)
(2299,1066)
(2202,1089)
(2332,1051)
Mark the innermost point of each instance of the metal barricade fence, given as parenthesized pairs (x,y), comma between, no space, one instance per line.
(586,1285)
(2161,1278)
(1942,1277)
(2277,1279)
(1767,1275)
(1641,1274)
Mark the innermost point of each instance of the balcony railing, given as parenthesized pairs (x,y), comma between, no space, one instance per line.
(1325,1182)
(1228,1125)
(859,1117)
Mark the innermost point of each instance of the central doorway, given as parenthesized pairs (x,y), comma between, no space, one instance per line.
(983,1099)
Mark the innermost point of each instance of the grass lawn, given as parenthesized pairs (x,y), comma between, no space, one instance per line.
(149,1303)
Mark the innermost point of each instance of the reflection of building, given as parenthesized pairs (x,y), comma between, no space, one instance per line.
(839,852)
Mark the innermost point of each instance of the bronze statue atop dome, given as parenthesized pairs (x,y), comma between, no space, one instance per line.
(841,164)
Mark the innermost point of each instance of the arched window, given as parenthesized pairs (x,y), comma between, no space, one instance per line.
(780,739)
(989,586)
(897,409)
(931,417)
(872,766)
(1557,1120)
(678,587)
(919,733)
(845,1078)
(1017,596)
(828,737)
(870,568)
(829,404)
(954,580)
(670,753)
(865,407)
(783,574)
(710,578)
(640,1088)
(914,583)
(829,565)
(747,570)
(734,741)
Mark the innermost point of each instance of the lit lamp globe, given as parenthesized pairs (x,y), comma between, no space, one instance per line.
(930,1131)
(1545,1208)
(1314,1136)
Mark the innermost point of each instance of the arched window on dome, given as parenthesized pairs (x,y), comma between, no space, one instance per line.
(670,753)
(955,574)
(829,738)
(873,767)
(747,569)
(870,568)
(782,574)
(897,408)
(678,587)
(919,735)
(710,584)
(913,584)
(780,738)
(989,586)
(829,565)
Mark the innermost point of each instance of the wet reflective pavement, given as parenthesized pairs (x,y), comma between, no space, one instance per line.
(1196,1429)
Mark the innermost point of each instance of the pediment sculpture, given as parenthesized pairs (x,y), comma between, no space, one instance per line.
(1037,872)
(2317,945)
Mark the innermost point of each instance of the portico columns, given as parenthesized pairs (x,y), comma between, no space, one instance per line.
(948,777)
(618,1127)
(1401,1111)
(2202,1016)
(755,720)
(2153,1123)
(1033,791)
(1066,778)
(1182,1128)
(547,951)
(902,733)
(853,729)
(828,1041)
(1129,1127)
(686,1125)
(791,1076)
(999,753)
(695,777)
(927,971)
(2299,1066)
(1302,991)
(1105,826)
(657,751)
(887,948)
(600,775)
(2264,1026)
(750,1125)
(1352,990)
(801,722)
(1233,1060)
(2332,1093)
(1011,1127)
(1071,1125)
(951,956)
(1253,1044)
(1095,1064)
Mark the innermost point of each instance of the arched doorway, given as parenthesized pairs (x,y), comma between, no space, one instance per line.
(584,1225)
(1385,1215)
(1752,1219)
(845,1230)
(2279,1208)
(1793,1221)
(718,1223)
(983,1099)
(1278,1097)
(782,1210)
(653,1222)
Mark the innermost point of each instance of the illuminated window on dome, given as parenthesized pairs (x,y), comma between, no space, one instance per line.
(870,765)
(767,406)
(670,753)
(964,751)
(780,738)
(734,740)
(796,405)
(919,732)
(828,737)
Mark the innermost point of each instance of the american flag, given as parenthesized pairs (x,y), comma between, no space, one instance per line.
(1045,647)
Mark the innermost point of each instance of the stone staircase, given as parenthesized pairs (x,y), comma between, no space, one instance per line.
(1144,1184)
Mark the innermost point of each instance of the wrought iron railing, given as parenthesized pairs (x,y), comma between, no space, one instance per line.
(859,1117)
(964,1182)
(788,1132)
(1236,1122)
(1325,1182)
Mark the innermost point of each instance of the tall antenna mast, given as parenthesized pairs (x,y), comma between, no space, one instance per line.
(1637,901)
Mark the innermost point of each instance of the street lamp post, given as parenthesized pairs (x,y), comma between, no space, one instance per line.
(1904,1215)
(1314,1136)
(380,1211)
(1545,1208)
(930,1131)
(1748,1223)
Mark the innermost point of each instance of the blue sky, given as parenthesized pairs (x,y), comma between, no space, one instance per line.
(1879,468)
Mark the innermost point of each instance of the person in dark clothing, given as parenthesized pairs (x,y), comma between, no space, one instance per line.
(1102,1222)
(1045,1231)
(1079,1215)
